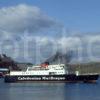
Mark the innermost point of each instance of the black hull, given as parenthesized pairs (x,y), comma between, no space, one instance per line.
(52,78)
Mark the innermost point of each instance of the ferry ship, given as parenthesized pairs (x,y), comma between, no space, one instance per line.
(49,73)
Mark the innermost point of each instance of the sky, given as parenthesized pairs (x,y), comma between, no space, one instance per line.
(33,30)
(77,15)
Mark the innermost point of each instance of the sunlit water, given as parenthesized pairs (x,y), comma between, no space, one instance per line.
(49,91)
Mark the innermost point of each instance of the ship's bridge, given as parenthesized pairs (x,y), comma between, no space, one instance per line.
(58,66)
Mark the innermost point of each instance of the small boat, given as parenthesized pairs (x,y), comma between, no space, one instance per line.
(49,73)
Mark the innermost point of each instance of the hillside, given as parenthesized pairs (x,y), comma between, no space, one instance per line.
(92,67)
(8,62)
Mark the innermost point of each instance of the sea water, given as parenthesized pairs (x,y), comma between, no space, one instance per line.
(49,91)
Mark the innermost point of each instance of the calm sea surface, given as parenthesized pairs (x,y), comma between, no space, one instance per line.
(49,91)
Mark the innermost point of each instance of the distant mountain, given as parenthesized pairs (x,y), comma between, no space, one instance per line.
(8,62)
(60,57)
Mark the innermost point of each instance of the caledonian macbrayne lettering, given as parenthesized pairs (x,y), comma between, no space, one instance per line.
(41,78)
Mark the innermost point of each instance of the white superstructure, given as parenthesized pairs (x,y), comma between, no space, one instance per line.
(58,69)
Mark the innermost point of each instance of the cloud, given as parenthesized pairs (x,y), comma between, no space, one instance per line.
(21,18)
(37,49)
(26,19)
